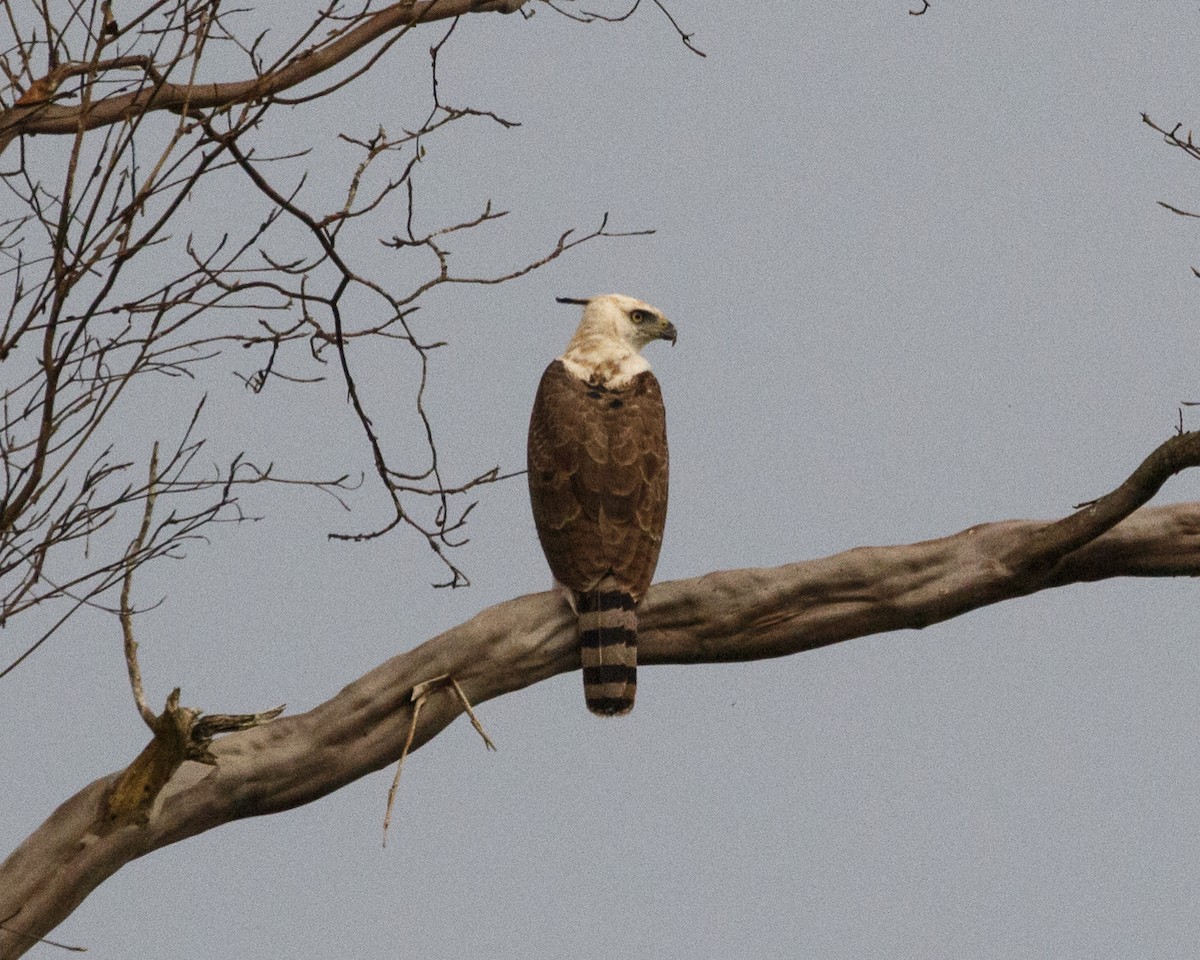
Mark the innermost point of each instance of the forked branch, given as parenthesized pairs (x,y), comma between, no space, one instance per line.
(733,615)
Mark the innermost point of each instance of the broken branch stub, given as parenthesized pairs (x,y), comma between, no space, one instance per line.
(180,733)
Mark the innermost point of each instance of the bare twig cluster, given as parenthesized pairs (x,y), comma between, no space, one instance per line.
(590,16)
(1177,137)
(116,283)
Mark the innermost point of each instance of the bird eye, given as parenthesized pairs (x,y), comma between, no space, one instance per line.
(638,316)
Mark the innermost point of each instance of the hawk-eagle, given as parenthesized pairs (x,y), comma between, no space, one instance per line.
(598,484)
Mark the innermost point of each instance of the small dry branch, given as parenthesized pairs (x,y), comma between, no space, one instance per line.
(418,696)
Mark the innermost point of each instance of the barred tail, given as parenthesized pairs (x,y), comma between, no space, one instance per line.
(608,645)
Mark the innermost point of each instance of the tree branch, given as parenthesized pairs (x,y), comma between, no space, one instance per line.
(727,616)
(37,114)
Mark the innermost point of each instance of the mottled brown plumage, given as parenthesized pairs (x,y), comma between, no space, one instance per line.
(598,485)
(598,479)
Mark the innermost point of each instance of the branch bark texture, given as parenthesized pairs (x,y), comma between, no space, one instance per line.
(732,615)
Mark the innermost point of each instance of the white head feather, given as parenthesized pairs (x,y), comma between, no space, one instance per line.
(606,348)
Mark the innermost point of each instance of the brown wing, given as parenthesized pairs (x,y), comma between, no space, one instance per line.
(598,479)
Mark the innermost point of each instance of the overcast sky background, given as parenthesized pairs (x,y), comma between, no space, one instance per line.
(921,282)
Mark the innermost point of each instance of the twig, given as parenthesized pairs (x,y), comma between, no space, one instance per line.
(412,730)
(685,37)
(418,696)
(588,16)
(29,936)
(471,713)
(1182,213)
(131,558)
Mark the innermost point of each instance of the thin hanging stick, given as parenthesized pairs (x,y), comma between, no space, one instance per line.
(391,799)
(419,693)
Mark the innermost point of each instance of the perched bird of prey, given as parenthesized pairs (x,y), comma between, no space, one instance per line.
(598,484)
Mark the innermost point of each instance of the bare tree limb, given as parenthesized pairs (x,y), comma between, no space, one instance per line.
(728,616)
(36,113)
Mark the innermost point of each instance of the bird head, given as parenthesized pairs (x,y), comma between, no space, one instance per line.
(616,316)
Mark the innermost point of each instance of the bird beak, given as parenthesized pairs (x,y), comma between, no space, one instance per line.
(668,331)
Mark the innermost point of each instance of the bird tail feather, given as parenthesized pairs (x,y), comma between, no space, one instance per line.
(608,647)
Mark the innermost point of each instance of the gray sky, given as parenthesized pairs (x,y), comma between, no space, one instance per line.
(921,282)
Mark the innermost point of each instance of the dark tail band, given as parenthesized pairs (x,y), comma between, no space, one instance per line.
(608,647)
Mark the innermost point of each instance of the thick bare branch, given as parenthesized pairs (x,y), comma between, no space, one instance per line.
(38,114)
(733,615)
